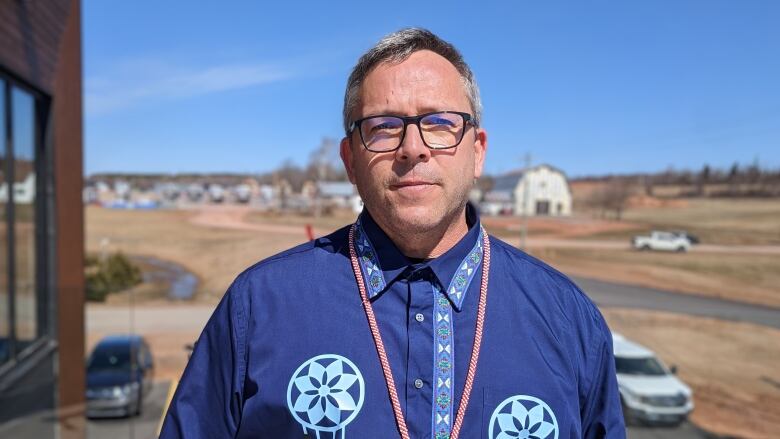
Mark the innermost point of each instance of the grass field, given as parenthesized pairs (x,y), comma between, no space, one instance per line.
(214,255)
(736,275)
(715,221)
(337,220)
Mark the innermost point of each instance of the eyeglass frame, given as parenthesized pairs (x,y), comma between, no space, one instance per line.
(468,119)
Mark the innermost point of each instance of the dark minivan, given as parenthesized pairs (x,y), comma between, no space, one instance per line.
(119,373)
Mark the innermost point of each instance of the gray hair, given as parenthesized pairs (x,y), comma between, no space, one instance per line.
(397,47)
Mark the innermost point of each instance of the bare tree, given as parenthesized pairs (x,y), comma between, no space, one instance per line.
(611,197)
(325,163)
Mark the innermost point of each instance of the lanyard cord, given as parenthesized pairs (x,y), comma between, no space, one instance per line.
(380,347)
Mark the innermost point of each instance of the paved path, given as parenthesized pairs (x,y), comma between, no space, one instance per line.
(607,294)
(141,427)
(684,431)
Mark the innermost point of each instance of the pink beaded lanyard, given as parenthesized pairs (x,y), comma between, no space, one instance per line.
(380,347)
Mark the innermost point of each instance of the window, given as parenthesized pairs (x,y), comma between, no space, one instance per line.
(647,366)
(23,187)
(23,300)
(5,316)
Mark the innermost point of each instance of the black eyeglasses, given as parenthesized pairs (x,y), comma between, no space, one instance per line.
(438,130)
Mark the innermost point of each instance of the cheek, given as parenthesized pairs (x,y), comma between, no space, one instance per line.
(461,170)
(368,176)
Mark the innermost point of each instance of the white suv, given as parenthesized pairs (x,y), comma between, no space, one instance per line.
(666,241)
(649,391)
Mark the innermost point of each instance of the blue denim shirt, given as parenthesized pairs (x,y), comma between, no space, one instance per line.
(288,352)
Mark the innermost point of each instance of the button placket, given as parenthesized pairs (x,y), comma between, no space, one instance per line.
(420,370)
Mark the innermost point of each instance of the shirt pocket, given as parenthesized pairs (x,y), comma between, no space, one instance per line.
(516,414)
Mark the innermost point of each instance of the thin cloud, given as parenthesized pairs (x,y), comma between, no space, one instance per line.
(138,84)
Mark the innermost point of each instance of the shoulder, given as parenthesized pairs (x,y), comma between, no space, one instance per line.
(302,257)
(558,304)
(551,290)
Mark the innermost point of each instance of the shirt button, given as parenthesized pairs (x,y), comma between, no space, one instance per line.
(418,383)
(419,317)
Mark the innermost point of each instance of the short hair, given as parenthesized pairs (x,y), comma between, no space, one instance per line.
(397,47)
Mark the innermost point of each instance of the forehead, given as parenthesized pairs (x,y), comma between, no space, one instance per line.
(425,81)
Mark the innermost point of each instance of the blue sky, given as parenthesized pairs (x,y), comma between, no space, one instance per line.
(592,87)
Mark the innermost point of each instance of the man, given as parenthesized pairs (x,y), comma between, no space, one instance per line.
(412,322)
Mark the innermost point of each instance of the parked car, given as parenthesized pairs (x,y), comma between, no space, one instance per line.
(649,391)
(120,370)
(664,241)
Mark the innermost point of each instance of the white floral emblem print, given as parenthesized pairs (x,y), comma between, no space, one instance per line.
(325,394)
(523,417)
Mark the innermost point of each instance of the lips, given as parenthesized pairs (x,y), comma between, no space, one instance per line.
(410,183)
(413,189)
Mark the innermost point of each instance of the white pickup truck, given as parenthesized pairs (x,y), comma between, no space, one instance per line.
(665,241)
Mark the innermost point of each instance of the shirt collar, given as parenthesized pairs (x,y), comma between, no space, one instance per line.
(383,263)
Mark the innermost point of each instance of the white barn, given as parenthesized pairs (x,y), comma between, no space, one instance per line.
(546,187)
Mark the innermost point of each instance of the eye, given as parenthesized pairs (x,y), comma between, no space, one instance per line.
(384,126)
(442,120)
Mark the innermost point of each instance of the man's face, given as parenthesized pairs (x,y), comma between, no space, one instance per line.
(414,188)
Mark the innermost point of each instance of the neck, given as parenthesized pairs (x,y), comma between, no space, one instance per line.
(432,243)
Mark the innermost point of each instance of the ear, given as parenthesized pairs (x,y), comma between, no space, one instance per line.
(345,151)
(480,148)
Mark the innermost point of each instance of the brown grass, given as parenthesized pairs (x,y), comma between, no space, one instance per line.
(215,255)
(337,219)
(715,221)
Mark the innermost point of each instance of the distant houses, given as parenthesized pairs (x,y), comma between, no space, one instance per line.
(542,190)
(280,195)
(336,193)
(538,191)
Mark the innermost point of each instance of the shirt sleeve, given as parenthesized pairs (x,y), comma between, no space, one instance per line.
(208,399)
(602,415)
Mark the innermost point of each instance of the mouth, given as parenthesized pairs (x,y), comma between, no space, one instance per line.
(410,183)
(412,188)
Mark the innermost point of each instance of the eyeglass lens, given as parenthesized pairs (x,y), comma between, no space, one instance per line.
(439,130)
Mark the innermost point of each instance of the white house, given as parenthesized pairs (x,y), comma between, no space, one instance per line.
(336,193)
(24,191)
(541,190)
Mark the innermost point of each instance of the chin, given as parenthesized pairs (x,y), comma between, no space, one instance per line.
(417,218)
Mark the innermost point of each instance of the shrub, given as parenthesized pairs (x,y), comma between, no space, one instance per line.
(108,275)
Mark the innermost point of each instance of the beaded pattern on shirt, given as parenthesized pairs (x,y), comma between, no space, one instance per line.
(369,263)
(444,359)
(443,350)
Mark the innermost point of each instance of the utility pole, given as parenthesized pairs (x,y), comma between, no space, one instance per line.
(524,179)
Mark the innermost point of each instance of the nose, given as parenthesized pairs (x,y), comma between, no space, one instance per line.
(413,148)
